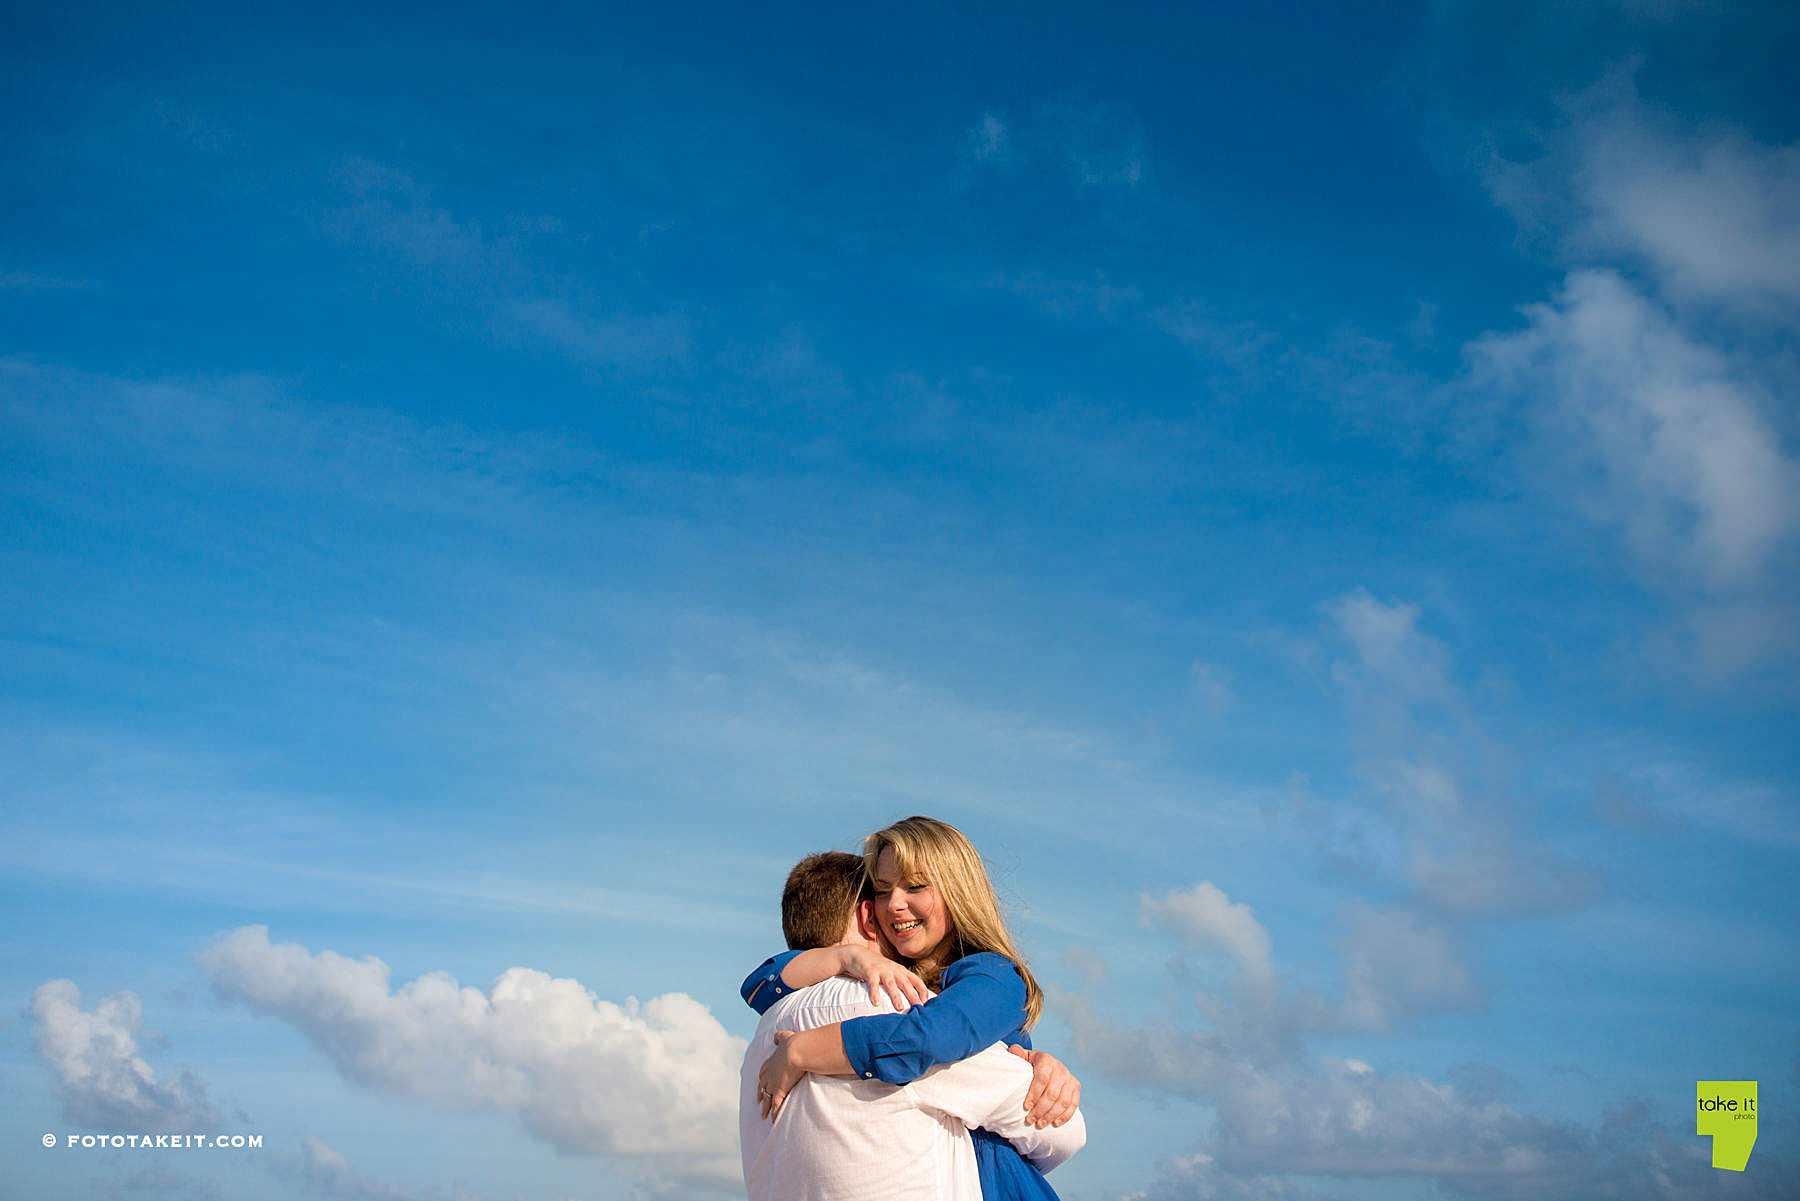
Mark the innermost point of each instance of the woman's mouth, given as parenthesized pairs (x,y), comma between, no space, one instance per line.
(908,926)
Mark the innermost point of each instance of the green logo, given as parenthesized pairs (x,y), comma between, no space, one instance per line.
(1726,1109)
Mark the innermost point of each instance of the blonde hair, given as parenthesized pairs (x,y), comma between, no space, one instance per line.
(924,846)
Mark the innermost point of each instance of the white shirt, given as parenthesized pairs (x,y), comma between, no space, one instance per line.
(838,1138)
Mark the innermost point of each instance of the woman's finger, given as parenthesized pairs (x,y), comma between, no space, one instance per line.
(1043,1113)
(1033,1093)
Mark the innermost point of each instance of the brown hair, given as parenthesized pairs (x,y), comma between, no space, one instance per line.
(942,854)
(818,898)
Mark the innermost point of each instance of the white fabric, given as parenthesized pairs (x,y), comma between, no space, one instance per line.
(838,1138)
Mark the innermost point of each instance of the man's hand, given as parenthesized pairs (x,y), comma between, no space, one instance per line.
(883,974)
(778,1076)
(1054,1090)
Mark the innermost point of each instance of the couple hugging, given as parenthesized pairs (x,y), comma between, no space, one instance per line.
(861,1084)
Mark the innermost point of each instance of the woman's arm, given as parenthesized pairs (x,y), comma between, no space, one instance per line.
(982,1003)
(1050,1100)
(765,986)
(790,970)
(820,1050)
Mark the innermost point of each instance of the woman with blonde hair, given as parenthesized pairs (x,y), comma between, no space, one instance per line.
(934,903)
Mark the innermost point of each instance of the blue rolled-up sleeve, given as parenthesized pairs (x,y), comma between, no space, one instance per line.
(982,1002)
(763,987)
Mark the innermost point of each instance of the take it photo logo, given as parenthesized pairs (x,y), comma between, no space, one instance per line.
(1726,1109)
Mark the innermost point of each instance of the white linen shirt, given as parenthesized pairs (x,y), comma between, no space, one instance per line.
(838,1138)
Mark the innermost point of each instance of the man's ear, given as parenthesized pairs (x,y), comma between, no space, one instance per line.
(865,921)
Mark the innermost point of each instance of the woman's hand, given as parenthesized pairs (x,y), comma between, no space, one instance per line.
(778,1076)
(883,974)
(1054,1090)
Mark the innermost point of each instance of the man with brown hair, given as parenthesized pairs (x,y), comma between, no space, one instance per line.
(820,890)
(840,1138)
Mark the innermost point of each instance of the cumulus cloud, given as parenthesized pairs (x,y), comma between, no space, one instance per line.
(1333,1116)
(656,1079)
(104,1081)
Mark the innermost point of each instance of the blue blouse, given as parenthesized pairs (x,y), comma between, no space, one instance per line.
(981,1001)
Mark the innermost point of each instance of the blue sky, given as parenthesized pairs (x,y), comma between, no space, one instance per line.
(1312,494)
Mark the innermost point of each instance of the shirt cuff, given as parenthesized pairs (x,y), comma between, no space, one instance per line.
(765,986)
(872,1055)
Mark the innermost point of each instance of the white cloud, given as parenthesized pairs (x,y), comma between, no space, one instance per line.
(1465,858)
(1205,918)
(587,1076)
(1655,380)
(1337,1117)
(105,1083)
(1657,434)
(1461,851)
(1713,214)
(1391,651)
(1398,961)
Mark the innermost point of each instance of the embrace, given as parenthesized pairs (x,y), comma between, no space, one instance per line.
(892,1062)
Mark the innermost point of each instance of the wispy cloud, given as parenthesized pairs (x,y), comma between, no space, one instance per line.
(1104,145)
(1422,750)
(986,140)
(1653,380)
(1670,443)
(324,1172)
(1089,143)
(523,303)
(1709,214)
(1212,687)
(31,281)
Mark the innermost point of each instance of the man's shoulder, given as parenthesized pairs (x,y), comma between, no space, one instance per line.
(835,1000)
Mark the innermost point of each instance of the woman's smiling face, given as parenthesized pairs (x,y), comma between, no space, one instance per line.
(910,912)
